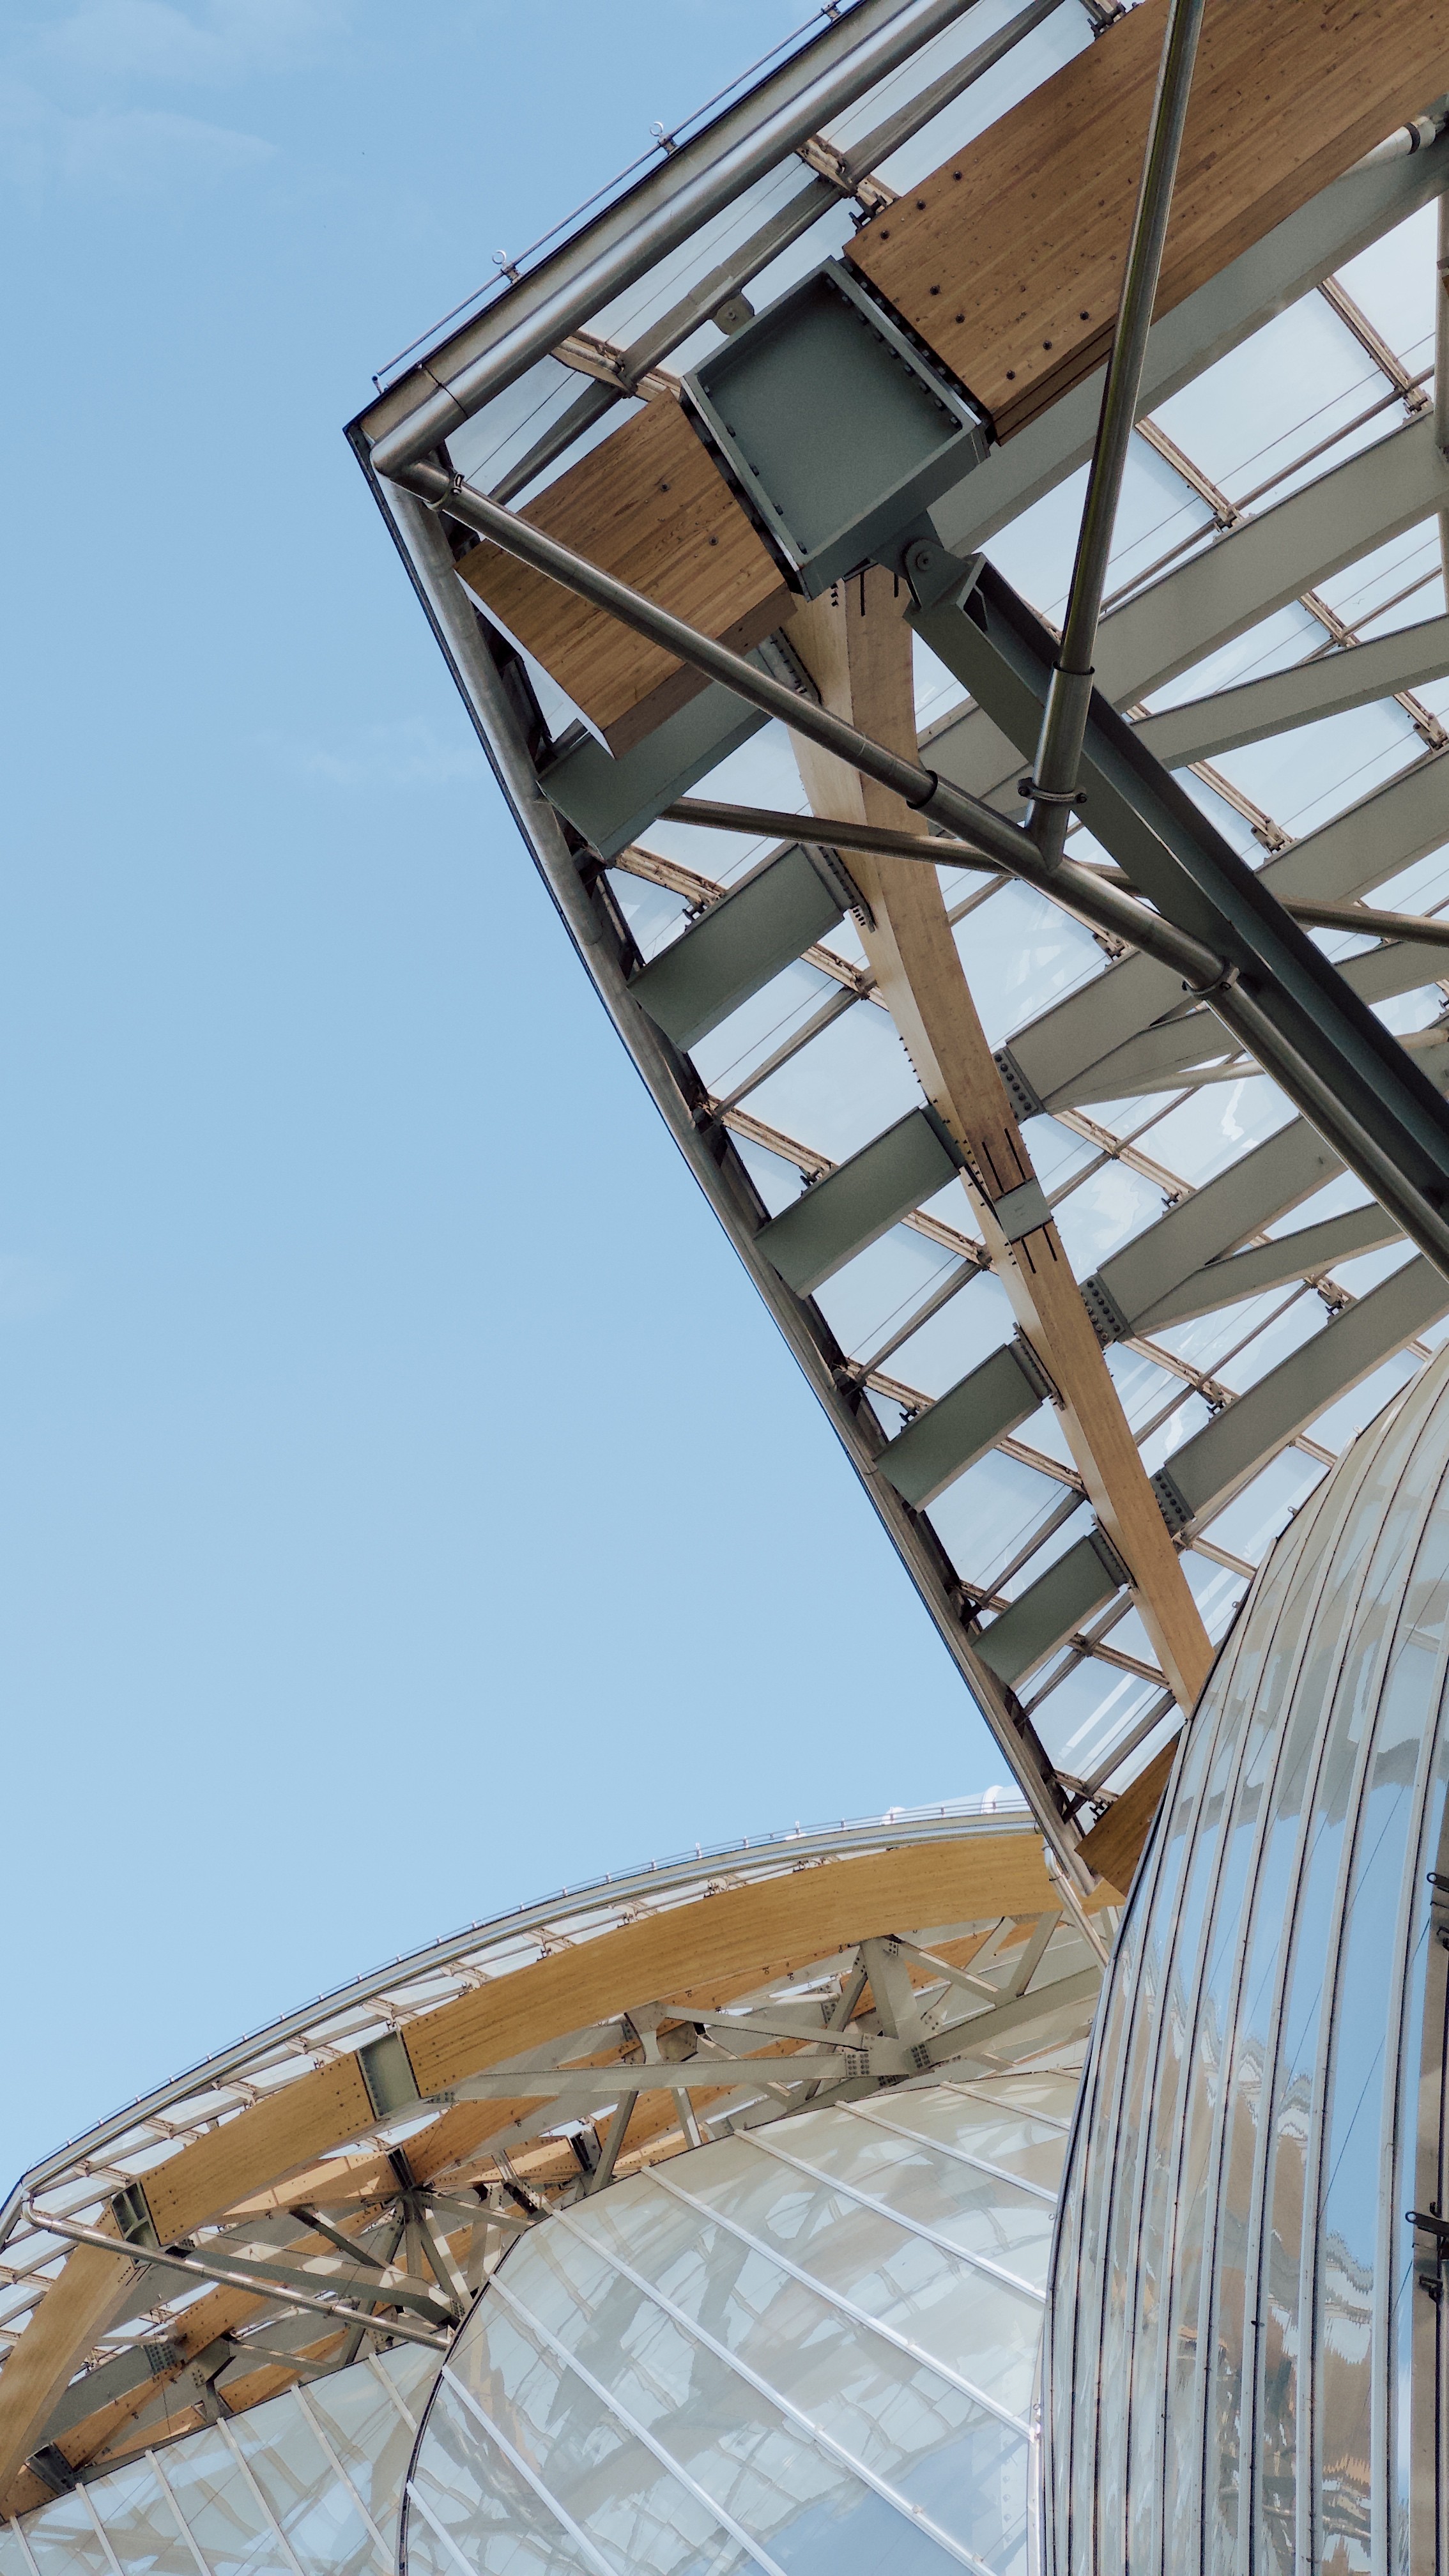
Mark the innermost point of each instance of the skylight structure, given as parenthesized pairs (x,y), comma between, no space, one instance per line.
(766,326)
(1035,948)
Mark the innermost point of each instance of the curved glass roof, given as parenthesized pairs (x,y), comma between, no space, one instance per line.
(335,2186)
(309,2484)
(810,2350)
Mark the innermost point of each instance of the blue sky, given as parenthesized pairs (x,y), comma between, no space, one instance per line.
(407,1507)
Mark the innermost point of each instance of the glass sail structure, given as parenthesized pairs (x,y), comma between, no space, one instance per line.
(1252,2241)
(1274,634)
(224,2308)
(693,2218)
(812,2350)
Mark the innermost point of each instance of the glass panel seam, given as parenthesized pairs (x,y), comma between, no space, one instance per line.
(183,2526)
(375,2366)
(515,2458)
(102,2535)
(570,2361)
(958,2155)
(882,2209)
(245,2466)
(847,2307)
(1050,2118)
(29,2554)
(914,2514)
(446,2537)
(334,2461)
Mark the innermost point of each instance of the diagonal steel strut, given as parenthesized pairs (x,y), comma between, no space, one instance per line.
(1206,973)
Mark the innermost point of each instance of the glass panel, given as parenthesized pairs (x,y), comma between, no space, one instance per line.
(309,2501)
(63,2540)
(141,2526)
(228,2524)
(904,2421)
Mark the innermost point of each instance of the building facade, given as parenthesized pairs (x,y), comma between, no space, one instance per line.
(1054,2186)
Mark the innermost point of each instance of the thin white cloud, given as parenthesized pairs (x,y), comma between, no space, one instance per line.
(131,150)
(408,753)
(89,92)
(218,42)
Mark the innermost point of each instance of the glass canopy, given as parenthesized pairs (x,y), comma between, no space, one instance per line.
(1286,443)
(812,2350)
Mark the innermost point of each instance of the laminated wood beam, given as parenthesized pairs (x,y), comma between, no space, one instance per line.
(649,505)
(858,651)
(90,2291)
(1114,1847)
(733,1941)
(708,1952)
(1008,260)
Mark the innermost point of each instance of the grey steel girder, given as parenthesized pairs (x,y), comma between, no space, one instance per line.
(1291,260)
(1241,578)
(860,1200)
(611,801)
(1253,1193)
(994,1399)
(755,930)
(1205,1473)
(1051,1609)
(1309,1253)
(1161,1056)
(1352,1067)
(706,1147)
(135,2367)
(1359,849)
(1272,559)
(1328,685)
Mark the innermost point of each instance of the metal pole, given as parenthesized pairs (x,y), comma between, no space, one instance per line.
(823,833)
(1005,844)
(1064,722)
(275,2291)
(1082,890)
(1441,371)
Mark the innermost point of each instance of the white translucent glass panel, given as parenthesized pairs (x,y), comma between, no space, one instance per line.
(1393,281)
(1262,405)
(1238,2252)
(812,2349)
(1020,954)
(876,1295)
(308,2482)
(1064,34)
(1304,777)
(1158,510)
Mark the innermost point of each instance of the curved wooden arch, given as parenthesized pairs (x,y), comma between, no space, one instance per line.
(705,1951)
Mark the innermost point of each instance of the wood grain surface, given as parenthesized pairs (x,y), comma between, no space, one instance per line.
(1008,260)
(649,505)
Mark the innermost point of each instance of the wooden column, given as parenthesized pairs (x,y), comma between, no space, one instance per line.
(858,650)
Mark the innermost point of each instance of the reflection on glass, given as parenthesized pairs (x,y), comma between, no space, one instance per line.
(1240,2225)
(812,2348)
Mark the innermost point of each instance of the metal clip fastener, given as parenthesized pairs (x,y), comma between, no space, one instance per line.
(1222,983)
(1050,795)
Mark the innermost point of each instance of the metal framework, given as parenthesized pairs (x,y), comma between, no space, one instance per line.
(329,2188)
(1092,1276)
(1247,600)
